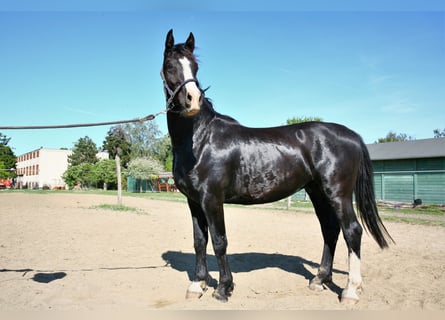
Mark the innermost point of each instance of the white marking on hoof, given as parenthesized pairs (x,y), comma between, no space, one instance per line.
(316,286)
(349,295)
(355,277)
(349,298)
(195,290)
(348,301)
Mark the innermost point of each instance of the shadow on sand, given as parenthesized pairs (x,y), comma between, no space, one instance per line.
(247,262)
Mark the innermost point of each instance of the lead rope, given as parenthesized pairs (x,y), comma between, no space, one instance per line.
(79,125)
(169,106)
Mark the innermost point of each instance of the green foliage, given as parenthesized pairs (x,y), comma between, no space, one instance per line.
(117,140)
(7,159)
(163,152)
(142,137)
(144,168)
(295,120)
(84,151)
(4,140)
(438,133)
(139,140)
(394,137)
(87,174)
(79,174)
(104,173)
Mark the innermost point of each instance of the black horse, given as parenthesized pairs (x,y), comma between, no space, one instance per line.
(217,161)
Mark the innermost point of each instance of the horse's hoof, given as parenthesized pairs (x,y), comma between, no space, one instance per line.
(316,286)
(195,290)
(218,296)
(348,301)
(193,295)
(223,293)
(349,297)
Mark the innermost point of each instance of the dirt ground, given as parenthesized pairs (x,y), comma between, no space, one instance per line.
(57,252)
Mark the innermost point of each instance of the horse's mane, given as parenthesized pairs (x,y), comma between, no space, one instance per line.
(209,105)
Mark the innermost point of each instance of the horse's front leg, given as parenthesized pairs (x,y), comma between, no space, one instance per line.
(200,238)
(215,216)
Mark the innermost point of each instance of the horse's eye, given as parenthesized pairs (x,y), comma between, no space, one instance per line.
(168,66)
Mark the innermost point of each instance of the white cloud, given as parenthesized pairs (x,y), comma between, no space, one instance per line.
(398,107)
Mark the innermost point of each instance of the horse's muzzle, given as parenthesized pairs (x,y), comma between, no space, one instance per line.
(194,98)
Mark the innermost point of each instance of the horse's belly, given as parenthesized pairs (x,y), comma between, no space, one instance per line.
(265,187)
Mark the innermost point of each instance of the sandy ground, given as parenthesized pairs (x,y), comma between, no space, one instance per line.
(59,253)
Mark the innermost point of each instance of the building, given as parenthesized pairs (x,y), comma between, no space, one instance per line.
(42,168)
(409,170)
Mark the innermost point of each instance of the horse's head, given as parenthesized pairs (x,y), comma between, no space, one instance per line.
(179,75)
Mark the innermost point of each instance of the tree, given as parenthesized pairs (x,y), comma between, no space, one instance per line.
(394,137)
(4,140)
(139,140)
(7,159)
(79,174)
(144,168)
(163,152)
(104,173)
(142,137)
(84,151)
(118,138)
(295,120)
(438,133)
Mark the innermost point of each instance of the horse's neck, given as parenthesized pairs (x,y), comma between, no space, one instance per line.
(182,129)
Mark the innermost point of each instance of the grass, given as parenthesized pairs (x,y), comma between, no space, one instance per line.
(168,196)
(113,207)
(427,209)
(117,207)
(403,215)
(415,221)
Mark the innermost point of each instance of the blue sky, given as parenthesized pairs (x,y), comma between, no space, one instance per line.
(371,70)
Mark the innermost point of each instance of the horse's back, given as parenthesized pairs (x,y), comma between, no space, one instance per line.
(272,163)
(258,165)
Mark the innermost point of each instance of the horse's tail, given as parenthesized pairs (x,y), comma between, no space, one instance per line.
(365,200)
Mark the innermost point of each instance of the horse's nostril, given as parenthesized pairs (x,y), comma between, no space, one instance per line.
(189,97)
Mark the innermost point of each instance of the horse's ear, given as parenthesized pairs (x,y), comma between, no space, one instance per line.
(169,40)
(190,43)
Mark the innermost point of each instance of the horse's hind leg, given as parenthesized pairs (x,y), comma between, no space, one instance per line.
(352,232)
(200,236)
(330,229)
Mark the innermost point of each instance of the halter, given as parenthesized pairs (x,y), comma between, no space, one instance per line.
(169,104)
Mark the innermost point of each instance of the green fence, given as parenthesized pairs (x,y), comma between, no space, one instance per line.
(406,180)
(140,185)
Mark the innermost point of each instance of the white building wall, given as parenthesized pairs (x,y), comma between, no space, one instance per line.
(42,167)
(45,167)
(53,163)
(103,155)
